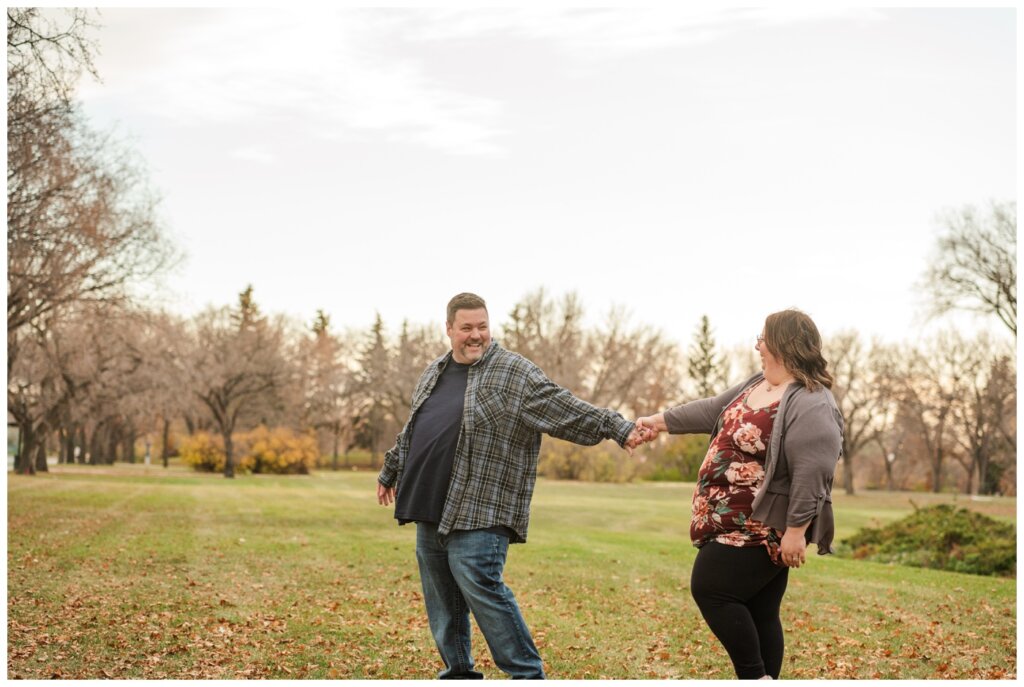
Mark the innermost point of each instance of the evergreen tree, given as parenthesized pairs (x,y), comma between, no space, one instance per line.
(372,379)
(705,367)
(321,324)
(248,314)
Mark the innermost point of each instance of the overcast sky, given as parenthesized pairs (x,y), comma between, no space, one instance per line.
(674,162)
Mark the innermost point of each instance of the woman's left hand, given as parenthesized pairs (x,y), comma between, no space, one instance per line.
(793,548)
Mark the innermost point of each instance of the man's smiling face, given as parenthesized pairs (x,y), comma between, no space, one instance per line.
(470,335)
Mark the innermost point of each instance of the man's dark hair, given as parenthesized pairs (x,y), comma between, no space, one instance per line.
(464,301)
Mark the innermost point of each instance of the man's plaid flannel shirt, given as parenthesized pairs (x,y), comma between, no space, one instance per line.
(509,403)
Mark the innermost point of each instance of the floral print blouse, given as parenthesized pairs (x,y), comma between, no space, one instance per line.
(731,476)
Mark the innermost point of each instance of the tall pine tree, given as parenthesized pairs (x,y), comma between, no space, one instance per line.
(705,366)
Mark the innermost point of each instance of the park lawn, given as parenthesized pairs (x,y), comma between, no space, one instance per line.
(132,572)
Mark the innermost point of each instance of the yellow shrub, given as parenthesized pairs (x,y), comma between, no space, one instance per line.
(205,452)
(280,451)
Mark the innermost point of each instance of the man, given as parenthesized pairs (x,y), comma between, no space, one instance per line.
(464,469)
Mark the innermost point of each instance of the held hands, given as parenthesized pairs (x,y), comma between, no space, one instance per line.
(650,427)
(645,431)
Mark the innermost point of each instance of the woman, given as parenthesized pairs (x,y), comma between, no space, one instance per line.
(763,490)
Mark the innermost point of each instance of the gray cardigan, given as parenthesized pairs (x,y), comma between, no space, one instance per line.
(805,445)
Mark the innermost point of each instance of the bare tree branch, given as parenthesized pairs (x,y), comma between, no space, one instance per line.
(975,266)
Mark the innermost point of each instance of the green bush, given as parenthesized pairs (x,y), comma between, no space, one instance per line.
(943,537)
(602,463)
(679,460)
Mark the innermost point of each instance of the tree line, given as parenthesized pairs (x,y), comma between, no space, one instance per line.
(939,414)
(96,375)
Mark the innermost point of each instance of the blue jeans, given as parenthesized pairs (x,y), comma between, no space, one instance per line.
(461,572)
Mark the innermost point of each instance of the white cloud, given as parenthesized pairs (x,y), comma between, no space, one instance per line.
(335,73)
(327,71)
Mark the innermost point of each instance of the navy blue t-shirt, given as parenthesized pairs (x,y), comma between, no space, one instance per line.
(435,436)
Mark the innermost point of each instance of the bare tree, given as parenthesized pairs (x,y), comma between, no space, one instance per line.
(933,382)
(76,371)
(890,441)
(45,58)
(237,361)
(417,346)
(329,401)
(892,425)
(975,268)
(114,396)
(163,377)
(988,399)
(81,227)
(859,393)
(80,219)
(81,224)
(37,395)
(629,367)
(550,333)
(616,364)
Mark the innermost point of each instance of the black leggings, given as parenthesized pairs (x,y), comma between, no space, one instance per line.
(738,591)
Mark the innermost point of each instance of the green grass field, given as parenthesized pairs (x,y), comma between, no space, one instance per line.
(134,572)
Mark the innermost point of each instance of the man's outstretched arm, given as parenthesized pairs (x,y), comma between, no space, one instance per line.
(555,411)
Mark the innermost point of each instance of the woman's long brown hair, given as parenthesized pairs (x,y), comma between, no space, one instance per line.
(792,337)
